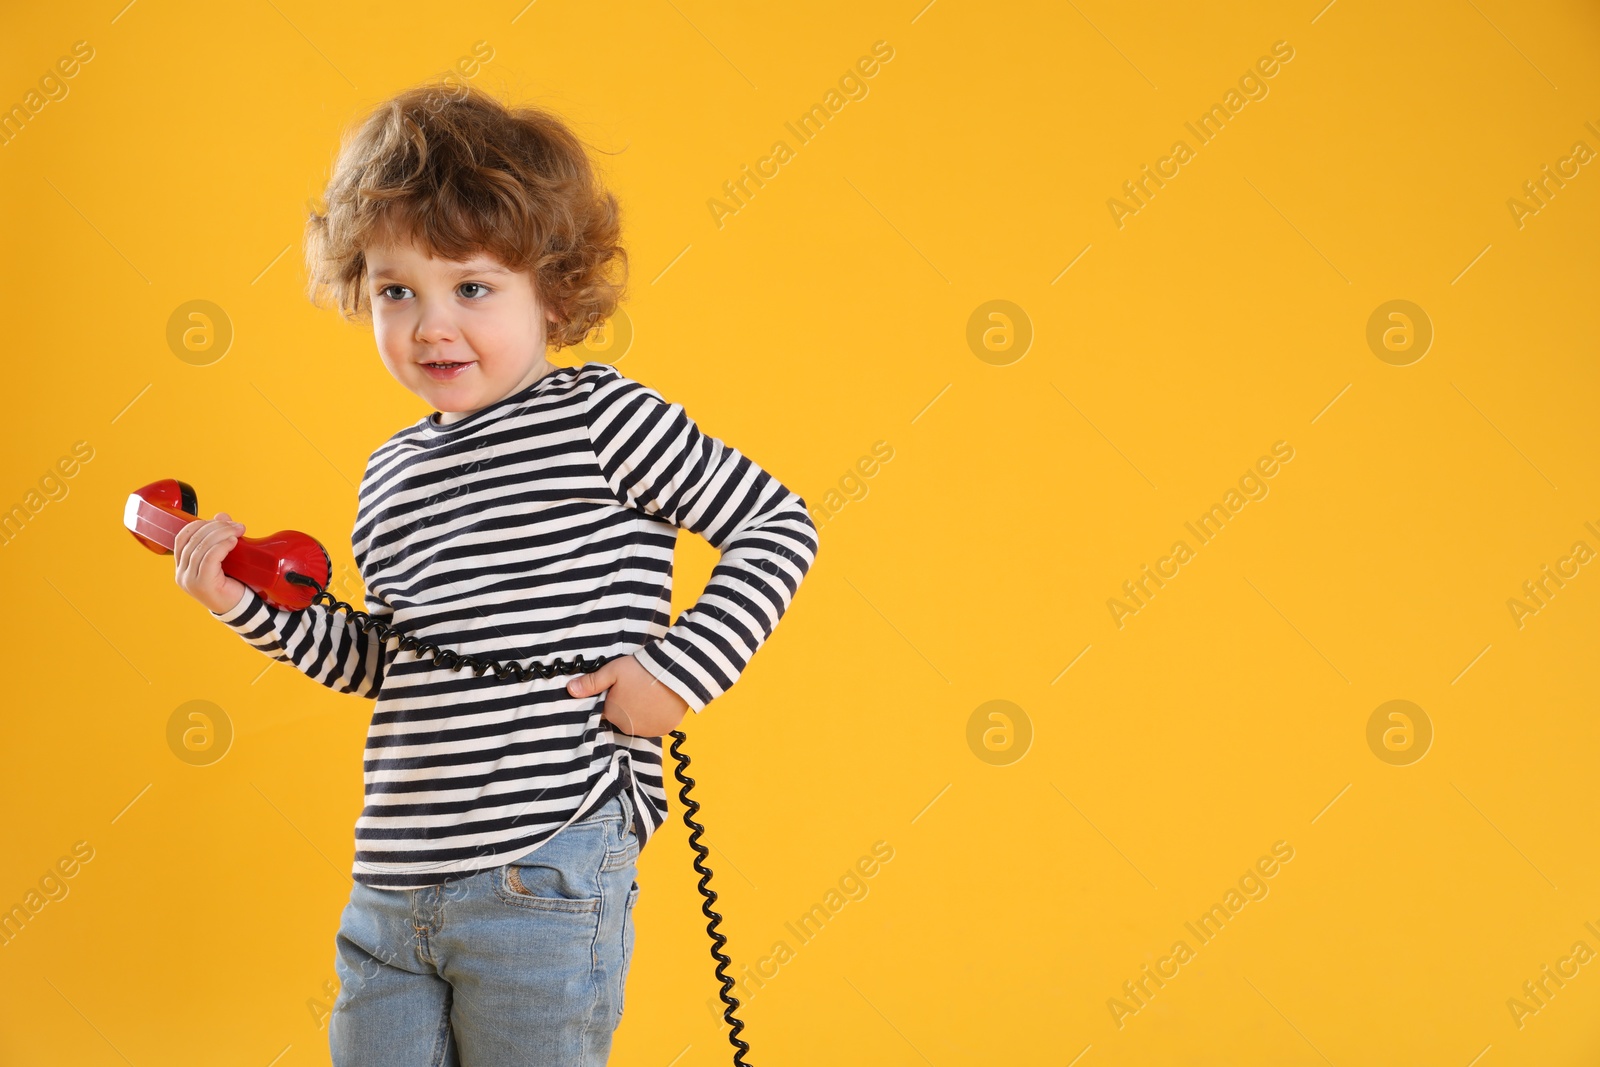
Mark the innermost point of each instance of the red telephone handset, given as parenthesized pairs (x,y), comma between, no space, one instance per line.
(157,512)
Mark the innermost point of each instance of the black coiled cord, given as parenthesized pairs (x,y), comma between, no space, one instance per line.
(451,660)
(691,808)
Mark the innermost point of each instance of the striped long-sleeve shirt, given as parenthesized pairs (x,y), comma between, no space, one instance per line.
(541,526)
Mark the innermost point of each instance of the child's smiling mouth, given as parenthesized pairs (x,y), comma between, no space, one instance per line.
(445,371)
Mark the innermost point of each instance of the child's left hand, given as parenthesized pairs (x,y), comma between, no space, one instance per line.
(635,701)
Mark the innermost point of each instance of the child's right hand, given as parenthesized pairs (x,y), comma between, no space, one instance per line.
(200,547)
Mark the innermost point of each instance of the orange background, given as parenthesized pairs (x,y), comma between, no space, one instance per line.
(1041,859)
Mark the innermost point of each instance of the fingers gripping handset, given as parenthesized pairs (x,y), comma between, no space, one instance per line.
(200,547)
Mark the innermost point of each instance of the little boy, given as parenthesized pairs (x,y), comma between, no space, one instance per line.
(530,517)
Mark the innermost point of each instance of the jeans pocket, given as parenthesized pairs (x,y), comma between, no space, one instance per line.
(560,875)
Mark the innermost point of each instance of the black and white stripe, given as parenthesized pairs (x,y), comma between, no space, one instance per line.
(539,527)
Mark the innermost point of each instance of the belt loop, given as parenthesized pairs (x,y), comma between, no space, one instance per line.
(627,810)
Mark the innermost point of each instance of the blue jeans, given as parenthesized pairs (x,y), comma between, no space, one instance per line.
(516,965)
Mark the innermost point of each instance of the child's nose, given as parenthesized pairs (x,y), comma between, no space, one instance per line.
(434,324)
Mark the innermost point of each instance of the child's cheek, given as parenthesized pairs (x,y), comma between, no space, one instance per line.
(389,332)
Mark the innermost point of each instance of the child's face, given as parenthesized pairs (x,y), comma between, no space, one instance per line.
(475,314)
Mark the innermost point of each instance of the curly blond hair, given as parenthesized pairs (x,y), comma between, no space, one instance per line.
(450,167)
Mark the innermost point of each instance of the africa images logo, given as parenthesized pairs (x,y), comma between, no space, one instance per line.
(1252,86)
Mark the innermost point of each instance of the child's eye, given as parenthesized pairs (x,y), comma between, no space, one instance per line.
(385,292)
(474,285)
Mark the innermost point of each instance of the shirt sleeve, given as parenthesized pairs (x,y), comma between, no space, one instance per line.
(325,645)
(657,461)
